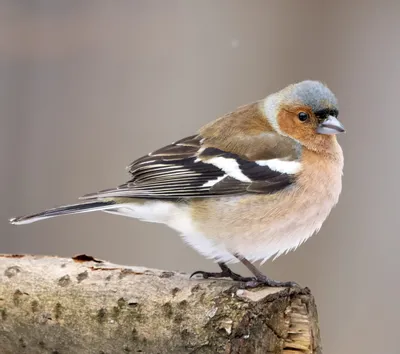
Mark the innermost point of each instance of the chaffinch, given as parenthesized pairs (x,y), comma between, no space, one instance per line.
(250,185)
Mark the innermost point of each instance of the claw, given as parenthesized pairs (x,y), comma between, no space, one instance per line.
(204,274)
(226,273)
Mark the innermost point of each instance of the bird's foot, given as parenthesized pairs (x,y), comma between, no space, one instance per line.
(245,282)
(226,273)
(265,281)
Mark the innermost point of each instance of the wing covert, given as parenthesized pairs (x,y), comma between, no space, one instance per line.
(189,168)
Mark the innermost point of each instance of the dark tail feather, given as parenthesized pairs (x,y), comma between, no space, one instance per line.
(64,210)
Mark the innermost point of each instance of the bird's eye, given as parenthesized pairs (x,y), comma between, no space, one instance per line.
(303,116)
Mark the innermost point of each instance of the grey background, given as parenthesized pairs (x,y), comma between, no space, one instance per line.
(86,87)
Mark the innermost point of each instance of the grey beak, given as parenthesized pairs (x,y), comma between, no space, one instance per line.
(331,125)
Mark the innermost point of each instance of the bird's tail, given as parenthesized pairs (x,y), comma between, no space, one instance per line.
(83,207)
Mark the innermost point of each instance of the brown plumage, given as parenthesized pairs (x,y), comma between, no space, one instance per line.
(247,133)
(250,185)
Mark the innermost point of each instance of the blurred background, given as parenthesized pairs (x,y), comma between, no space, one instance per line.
(88,86)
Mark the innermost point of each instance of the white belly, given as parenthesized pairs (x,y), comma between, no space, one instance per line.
(255,244)
(273,241)
(178,217)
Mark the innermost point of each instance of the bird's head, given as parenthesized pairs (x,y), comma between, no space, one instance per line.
(306,112)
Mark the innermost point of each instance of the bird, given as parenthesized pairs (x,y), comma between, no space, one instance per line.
(251,185)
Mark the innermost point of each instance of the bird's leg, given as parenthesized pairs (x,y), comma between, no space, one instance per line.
(261,279)
(226,272)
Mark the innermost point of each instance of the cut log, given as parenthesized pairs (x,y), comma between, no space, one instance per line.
(83,305)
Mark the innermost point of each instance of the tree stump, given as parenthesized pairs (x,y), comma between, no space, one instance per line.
(84,305)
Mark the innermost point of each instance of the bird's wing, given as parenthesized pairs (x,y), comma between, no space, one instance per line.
(192,168)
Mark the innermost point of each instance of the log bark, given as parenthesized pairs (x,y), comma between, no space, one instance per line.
(83,305)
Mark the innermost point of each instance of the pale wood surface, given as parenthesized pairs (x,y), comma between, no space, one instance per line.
(63,305)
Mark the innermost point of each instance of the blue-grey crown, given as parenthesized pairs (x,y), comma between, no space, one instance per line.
(313,94)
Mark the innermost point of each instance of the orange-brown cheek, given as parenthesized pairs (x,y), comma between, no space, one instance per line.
(287,124)
(290,125)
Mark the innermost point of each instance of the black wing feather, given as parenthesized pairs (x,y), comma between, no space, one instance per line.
(183,170)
